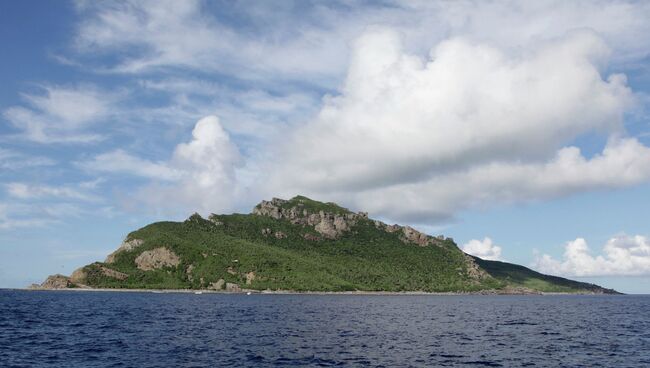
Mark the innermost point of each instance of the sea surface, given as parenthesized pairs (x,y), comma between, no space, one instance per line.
(119,329)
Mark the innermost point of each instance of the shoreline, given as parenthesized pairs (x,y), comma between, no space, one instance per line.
(291,292)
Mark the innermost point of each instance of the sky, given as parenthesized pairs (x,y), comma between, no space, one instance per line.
(520,129)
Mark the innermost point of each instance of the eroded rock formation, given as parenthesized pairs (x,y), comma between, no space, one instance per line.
(156,258)
(330,225)
(126,246)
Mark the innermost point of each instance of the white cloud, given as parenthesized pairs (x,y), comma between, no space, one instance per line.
(622,256)
(483,249)
(200,175)
(12,160)
(35,191)
(159,34)
(417,139)
(61,114)
(17,215)
(119,161)
(310,42)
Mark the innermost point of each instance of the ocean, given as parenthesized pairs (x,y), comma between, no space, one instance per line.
(134,329)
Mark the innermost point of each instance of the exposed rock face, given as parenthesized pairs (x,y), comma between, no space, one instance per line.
(232,288)
(217,285)
(473,269)
(78,276)
(250,277)
(114,274)
(56,282)
(311,237)
(330,225)
(126,246)
(188,272)
(280,235)
(157,258)
(410,235)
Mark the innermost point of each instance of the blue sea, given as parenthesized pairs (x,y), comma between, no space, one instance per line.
(118,329)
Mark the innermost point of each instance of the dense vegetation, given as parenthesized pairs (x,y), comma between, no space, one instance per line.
(286,256)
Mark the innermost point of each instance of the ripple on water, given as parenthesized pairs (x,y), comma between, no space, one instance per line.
(64,329)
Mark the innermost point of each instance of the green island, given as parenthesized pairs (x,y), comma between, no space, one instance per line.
(302,245)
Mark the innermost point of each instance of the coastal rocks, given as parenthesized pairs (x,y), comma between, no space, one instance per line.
(126,246)
(232,288)
(78,276)
(156,258)
(57,281)
(218,285)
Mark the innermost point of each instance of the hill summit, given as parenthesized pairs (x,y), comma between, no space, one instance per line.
(302,245)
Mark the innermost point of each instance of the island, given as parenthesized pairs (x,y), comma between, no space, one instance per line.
(303,245)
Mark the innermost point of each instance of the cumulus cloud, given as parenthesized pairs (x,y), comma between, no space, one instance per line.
(622,256)
(200,175)
(417,139)
(484,249)
(60,114)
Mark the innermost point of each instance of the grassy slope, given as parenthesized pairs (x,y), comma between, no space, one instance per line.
(364,259)
(517,275)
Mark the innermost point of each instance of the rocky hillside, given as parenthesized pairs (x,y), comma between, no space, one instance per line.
(302,245)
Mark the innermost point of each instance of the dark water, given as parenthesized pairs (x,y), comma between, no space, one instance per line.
(102,329)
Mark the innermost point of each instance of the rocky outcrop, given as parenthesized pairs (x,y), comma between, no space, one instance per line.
(188,272)
(411,236)
(330,225)
(126,246)
(250,277)
(232,288)
(57,281)
(218,285)
(113,274)
(473,270)
(311,237)
(157,258)
(79,276)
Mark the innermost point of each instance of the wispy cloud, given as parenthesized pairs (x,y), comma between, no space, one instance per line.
(13,160)
(36,191)
(61,114)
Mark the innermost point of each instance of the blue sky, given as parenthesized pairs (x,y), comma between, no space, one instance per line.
(520,129)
